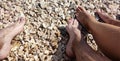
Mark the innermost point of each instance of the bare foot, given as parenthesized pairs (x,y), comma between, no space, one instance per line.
(74,32)
(83,16)
(6,36)
(107,18)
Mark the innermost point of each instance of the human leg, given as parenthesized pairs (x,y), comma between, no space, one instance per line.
(105,35)
(84,52)
(108,19)
(6,36)
(78,47)
(71,33)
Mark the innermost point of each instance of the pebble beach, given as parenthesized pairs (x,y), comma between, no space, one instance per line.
(44,37)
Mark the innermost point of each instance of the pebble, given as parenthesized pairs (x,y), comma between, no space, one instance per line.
(45,25)
(113,7)
(36,58)
(85,0)
(43,4)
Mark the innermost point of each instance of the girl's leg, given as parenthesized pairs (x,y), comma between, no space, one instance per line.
(80,49)
(6,36)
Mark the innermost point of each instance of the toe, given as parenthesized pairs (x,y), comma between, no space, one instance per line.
(18,21)
(22,20)
(67,28)
(70,21)
(103,16)
(81,8)
(77,34)
(75,23)
(78,10)
(77,15)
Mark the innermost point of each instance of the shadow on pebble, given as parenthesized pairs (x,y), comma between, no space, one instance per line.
(118,16)
(60,54)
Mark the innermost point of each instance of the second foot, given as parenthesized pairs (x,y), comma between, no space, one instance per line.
(107,18)
(84,17)
(75,35)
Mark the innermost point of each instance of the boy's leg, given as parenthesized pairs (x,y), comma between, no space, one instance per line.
(108,19)
(106,36)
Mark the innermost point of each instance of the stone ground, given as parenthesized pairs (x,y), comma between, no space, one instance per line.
(44,37)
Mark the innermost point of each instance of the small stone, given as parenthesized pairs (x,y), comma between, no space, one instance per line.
(46,52)
(52,26)
(36,58)
(43,4)
(45,25)
(15,46)
(32,13)
(84,0)
(21,14)
(90,36)
(57,10)
(30,6)
(113,7)
(58,34)
(92,6)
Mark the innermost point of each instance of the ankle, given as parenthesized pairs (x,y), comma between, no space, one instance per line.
(91,23)
(75,47)
(75,43)
(88,21)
